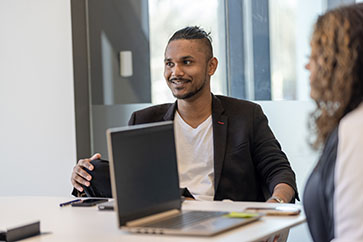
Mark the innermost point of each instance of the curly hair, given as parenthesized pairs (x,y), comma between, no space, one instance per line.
(337,49)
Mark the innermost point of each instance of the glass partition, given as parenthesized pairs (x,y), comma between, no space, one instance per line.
(267,59)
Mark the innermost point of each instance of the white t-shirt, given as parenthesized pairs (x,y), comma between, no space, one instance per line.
(348,195)
(194,148)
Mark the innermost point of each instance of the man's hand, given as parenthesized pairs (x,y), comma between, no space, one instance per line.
(282,192)
(80,176)
(285,193)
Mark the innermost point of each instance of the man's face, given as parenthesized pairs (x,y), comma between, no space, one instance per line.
(188,67)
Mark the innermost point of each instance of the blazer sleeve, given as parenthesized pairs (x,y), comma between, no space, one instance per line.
(270,161)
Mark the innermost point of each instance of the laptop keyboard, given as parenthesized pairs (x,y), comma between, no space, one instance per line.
(184,219)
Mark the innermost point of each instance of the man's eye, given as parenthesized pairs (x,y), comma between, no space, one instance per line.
(169,64)
(187,62)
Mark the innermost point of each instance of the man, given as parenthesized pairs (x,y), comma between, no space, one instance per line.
(225,148)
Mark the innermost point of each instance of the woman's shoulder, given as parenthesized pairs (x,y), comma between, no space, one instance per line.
(350,138)
(352,123)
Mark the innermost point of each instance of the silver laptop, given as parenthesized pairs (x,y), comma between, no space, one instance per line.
(145,185)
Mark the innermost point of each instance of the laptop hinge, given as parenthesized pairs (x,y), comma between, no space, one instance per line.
(152,218)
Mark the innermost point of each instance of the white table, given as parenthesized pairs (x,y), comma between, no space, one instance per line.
(89,224)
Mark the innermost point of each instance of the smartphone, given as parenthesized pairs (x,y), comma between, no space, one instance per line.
(281,210)
(89,202)
(107,206)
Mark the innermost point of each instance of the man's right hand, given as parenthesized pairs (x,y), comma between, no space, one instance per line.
(80,176)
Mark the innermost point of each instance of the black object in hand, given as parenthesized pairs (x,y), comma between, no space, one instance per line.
(100,184)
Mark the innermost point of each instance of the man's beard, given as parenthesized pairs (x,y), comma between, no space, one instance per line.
(190,94)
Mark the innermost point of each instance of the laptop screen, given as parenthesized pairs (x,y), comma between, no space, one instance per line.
(143,170)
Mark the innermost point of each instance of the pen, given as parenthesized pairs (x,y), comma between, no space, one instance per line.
(69,202)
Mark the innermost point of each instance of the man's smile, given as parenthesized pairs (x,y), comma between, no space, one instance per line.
(179,81)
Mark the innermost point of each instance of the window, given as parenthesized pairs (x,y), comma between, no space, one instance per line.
(262,45)
(268,45)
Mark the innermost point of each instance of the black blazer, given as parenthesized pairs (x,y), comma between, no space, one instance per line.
(248,161)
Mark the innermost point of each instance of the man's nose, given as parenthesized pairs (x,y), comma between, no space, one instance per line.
(178,71)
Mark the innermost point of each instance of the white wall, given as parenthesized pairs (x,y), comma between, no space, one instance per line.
(37,127)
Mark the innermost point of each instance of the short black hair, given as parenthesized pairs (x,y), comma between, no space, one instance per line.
(192,33)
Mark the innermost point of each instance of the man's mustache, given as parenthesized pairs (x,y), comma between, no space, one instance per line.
(178,79)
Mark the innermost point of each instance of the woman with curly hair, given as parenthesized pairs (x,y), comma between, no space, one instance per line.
(333,197)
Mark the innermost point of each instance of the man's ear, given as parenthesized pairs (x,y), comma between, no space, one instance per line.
(212,66)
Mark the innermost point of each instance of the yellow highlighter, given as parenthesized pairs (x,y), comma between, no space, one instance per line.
(241,215)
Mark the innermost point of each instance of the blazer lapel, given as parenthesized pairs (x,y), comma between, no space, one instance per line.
(220,125)
(171,111)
